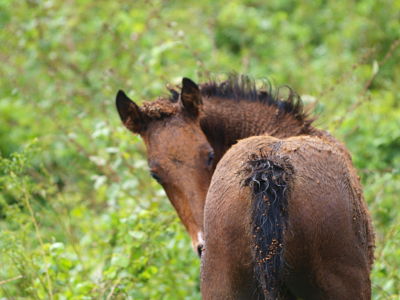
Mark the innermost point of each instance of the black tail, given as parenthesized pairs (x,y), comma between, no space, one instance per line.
(268,181)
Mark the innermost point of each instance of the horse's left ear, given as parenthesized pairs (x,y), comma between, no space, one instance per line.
(191,97)
(130,114)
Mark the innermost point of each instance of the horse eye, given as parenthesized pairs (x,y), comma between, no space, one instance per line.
(210,159)
(155,176)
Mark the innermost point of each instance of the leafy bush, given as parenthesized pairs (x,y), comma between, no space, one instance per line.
(80,217)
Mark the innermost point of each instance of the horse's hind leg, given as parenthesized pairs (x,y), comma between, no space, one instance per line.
(227,268)
(343,276)
(287,295)
(346,283)
(227,260)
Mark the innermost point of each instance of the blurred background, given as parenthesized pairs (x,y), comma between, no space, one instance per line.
(80,217)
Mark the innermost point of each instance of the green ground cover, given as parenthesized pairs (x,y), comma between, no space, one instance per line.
(80,217)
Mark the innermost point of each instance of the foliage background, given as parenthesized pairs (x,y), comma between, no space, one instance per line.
(80,217)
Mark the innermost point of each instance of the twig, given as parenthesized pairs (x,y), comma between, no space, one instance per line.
(10,279)
(347,74)
(364,95)
(113,289)
(39,237)
(388,55)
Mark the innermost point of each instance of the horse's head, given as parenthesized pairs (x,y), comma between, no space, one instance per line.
(179,156)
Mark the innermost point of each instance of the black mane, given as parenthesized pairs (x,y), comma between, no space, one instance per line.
(243,88)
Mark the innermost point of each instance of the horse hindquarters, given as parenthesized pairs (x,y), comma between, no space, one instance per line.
(328,235)
(240,229)
(324,249)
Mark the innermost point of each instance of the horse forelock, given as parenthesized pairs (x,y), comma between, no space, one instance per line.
(159,109)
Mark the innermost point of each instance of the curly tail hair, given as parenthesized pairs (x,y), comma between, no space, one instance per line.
(268,181)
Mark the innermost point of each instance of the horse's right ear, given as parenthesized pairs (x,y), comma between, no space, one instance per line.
(191,97)
(130,113)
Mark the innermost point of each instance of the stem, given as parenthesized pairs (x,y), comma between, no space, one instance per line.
(39,237)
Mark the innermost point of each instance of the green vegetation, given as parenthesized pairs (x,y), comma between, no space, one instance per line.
(80,217)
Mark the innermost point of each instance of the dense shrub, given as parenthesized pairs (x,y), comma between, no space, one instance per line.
(80,217)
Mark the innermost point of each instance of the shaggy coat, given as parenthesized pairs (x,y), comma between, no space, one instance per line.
(285,211)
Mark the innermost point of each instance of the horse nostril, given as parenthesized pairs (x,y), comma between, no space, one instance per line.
(199,249)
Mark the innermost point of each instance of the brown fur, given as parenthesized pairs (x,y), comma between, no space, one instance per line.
(179,136)
(328,245)
(183,132)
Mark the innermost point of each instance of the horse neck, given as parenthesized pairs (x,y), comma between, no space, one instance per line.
(226,121)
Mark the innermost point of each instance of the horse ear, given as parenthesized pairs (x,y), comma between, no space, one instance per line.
(191,97)
(174,95)
(130,113)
